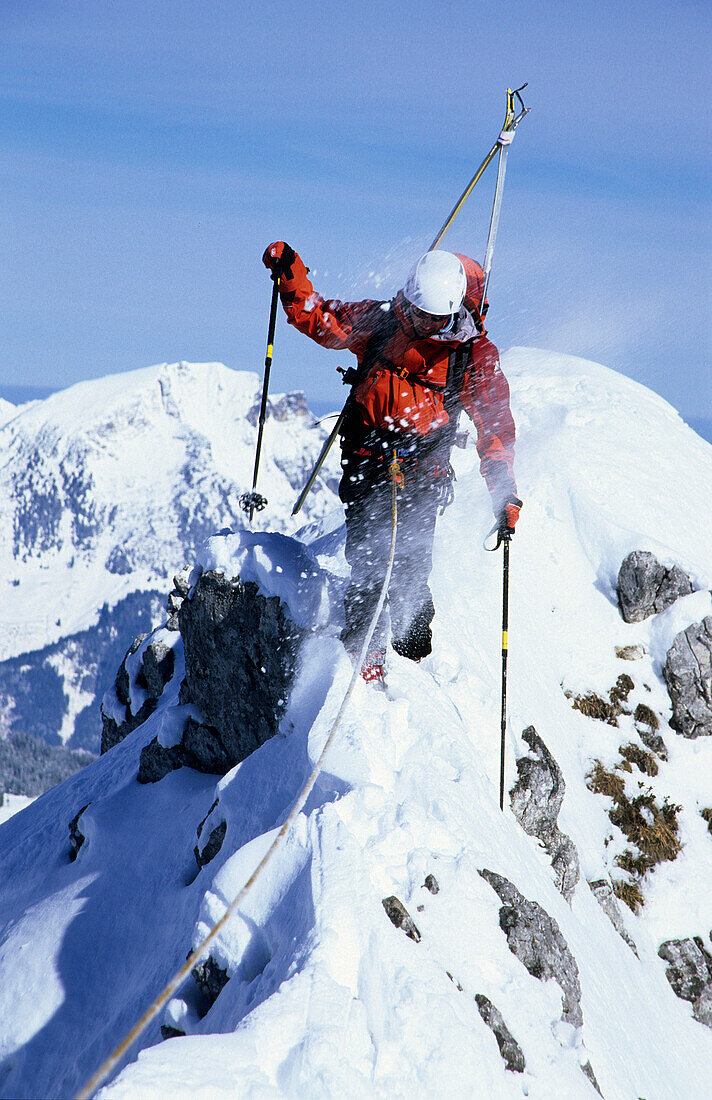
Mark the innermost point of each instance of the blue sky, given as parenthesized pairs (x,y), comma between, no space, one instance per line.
(150,151)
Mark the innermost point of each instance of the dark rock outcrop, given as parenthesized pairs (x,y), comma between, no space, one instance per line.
(536,939)
(154,672)
(240,655)
(587,1070)
(690,974)
(181,588)
(76,836)
(157,761)
(210,979)
(509,1048)
(156,668)
(602,890)
(536,799)
(199,748)
(647,724)
(400,917)
(646,587)
(168,1032)
(688,675)
(214,842)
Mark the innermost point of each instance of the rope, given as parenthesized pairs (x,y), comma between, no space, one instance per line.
(107,1066)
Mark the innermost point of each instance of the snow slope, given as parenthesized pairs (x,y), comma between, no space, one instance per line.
(326,997)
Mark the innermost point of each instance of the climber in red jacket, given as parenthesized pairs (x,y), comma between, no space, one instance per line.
(421,358)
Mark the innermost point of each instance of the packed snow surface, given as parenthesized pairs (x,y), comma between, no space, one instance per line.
(325,997)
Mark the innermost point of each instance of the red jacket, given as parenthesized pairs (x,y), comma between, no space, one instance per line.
(388,401)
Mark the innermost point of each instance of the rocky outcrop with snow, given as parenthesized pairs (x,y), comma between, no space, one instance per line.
(688,675)
(108,488)
(646,587)
(504,987)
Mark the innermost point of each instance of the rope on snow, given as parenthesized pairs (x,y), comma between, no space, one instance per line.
(179,977)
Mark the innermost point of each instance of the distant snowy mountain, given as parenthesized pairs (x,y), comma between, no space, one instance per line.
(107,488)
(525,975)
(7,411)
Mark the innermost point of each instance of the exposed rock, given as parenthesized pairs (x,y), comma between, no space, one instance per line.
(156,761)
(647,724)
(587,1069)
(181,582)
(399,915)
(157,663)
(210,979)
(172,622)
(168,1032)
(113,732)
(646,587)
(288,405)
(688,675)
(240,654)
(536,939)
(509,1048)
(431,884)
(212,846)
(630,652)
(536,799)
(123,680)
(204,749)
(291,404)
(174,602)
(156,668)
(690,974)
(603,892)
(76,836)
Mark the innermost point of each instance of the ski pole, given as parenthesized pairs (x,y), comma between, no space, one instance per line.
(254,501)
(505,647)
(504,141)
(511,121)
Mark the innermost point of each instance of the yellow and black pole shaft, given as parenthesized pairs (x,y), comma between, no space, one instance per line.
(505,649)
(253,501)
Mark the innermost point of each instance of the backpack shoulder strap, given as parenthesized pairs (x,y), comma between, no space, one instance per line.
(383,330)
(456,366)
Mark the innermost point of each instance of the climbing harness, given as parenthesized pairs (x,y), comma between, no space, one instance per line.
(152,1011)
(254,501)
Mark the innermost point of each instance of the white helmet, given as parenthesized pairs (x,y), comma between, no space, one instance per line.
(436,284)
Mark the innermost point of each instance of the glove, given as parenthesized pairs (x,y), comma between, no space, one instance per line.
(278,258)
(507,518)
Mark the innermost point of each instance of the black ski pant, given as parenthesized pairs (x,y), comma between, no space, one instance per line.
(367,493)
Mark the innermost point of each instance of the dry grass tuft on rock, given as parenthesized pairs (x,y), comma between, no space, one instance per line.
(630,893)
(602,781)
(644,716)
(650,827)
(593,706)
(621,689)
(643,760)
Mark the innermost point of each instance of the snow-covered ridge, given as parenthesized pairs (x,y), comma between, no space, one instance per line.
(325,997)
